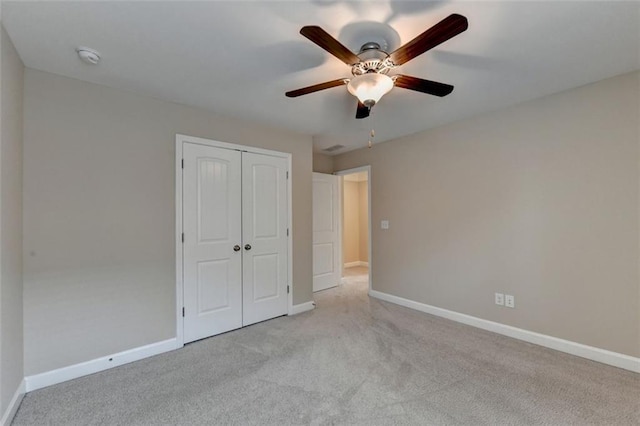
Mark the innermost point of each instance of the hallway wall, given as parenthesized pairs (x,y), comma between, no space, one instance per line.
(355,236)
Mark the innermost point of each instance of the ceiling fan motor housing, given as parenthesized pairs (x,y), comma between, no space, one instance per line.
(372,59)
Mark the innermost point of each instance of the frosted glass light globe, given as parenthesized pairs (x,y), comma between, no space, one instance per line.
(370,87)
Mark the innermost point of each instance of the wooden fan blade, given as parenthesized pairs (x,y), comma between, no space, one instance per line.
(424,86)
(330,44)
(362,111)
(316,87)
(439,33)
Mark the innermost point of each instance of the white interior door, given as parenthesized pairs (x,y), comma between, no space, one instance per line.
(265,240)
(212,227)
(326,237)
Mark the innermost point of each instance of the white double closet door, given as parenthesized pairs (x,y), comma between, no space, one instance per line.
(235,239)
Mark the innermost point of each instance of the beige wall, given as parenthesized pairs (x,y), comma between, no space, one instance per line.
(322,163)
(540,200)
(99,219)
(355,232)
(11,340)
(350,222)
(363,221)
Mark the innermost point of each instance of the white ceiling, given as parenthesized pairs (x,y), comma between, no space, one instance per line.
(237,58)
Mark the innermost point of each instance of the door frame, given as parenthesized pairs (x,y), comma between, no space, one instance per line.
(180,140)
(367,169)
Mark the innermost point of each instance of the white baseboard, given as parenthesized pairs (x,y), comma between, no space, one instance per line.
(303,307)
(38,381)
(356,263)
(11,410)
(595,354)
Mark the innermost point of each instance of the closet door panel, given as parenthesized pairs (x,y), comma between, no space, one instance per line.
(212,227)
(265,240)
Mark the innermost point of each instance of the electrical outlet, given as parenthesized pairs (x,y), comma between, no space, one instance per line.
(500,299)
(384,224)
(509,301)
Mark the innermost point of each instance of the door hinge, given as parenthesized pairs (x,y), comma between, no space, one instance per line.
(287,289)
(287,232)
(183,311)
(287,175)
(183,237)
(182,163)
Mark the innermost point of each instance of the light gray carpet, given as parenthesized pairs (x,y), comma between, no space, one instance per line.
(353,360)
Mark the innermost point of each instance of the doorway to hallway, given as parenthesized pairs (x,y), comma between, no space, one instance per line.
(341,227)
(356,227)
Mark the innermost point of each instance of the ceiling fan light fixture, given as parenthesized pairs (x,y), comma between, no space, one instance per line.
(369,88)
(371,65)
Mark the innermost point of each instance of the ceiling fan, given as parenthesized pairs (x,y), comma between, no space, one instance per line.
(371,66)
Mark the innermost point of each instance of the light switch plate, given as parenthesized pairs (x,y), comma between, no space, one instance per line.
(384,224)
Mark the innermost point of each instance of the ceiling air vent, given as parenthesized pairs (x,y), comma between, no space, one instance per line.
(333,148)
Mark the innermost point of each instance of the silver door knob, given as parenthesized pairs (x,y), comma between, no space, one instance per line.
(247,246)
(236,248)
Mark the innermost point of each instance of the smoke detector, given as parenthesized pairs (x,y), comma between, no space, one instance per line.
(88,55)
